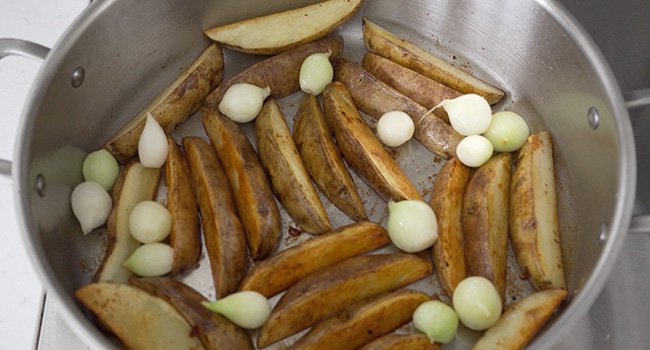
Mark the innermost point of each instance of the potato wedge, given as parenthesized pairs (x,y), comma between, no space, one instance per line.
(254,200)
(361,148)
(140,320)
(283,269)
(281,72)
(224,235)
(423,90)
(134,185)
(215,331)
(173,105)
(270,34)
(363,322)
(185,236)
(289,178)
(322,158)
(330,289)
(386,44)
(485,221)
(402,341)
(447,203)
(521,321)
(375,98)
(534,227)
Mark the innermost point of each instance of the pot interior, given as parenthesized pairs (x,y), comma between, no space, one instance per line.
(131,49)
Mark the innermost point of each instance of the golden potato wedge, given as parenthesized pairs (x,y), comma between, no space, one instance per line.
(224,235)
(361,148)
(423,90)
(401,342)
(375,98)
(173,105)
(215,331)
(534,227)
(185,236)
(270,34)
(281,72)
(289,178)
(386,44)
(322,158)
(325,291)
(363,322)
(254,200)
(135,184)
(447,203)
(485,221)
(140,320)
(283,269)
(521,321)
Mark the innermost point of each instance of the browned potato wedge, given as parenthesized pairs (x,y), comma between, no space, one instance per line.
(323,160)
(521,321)
(485,221)
(134,185)
(402,342)
(270,34)
(328,290)
(125,310)
(173,105)
(215,331)
(281,72)
(282,270)
(447,203)
(361,149)
(386,44)
(363,322)
(427,92)
(185,236)
(289,178)
(375,98)
(224,235)
(254,200)
(534,228)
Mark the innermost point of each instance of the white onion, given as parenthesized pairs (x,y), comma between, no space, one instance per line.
(151,260)
(247,309)
(150,222)
(102,168)
(91,205)
(152,147)
(437,320)
(315,73)
(507,132)
(412,225)
(477,303)
(474,150)
(243,102)
(395,128)
(468,114)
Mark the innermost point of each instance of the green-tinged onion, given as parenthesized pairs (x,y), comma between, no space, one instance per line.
(102,168)
(91,205)
(437,320)
(474,150)
(150,260)
(507,132)
(243,102)
(477,303)
(247,309)
(315,73)
(152,146)
(395,128)
(150,222)
(412,225)
(468,114)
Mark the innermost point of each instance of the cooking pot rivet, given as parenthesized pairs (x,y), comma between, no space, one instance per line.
(78,77)
(603,233)
(40,185)
(593,118)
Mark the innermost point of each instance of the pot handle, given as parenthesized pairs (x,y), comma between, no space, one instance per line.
(638,98)
(15,47)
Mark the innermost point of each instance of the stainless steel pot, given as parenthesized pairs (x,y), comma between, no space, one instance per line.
(119,54)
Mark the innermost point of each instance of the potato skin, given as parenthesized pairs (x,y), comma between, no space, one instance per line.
(485,221)
(361,148)
(375,98)
(361,323)
(215,331)
(185,236)
(447,204)
(254,200)
(328,290)
(283,269)
(172,106)
(415,341)
(322,158)
(280,72)
(224,235)
(289,178)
